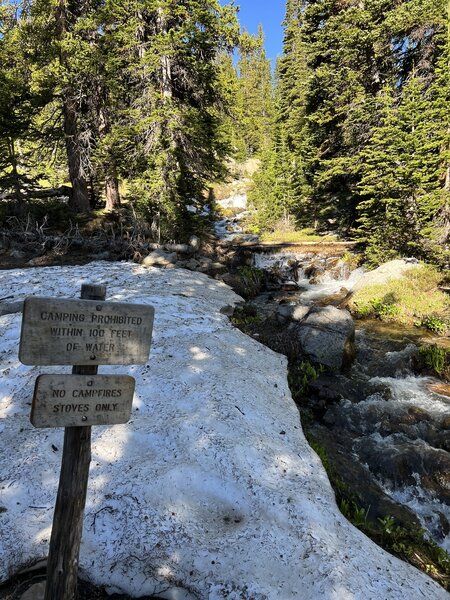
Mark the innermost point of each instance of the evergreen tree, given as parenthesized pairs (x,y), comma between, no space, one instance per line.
(176,100)
(404,204)
(274,182)
(436,119)
(19,106)
(255,96)
(392,176)
(292,82)
(64,37)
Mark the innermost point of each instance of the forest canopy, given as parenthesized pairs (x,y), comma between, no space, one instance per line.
(147,101)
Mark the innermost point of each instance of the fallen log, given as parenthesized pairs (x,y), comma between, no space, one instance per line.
(62,191)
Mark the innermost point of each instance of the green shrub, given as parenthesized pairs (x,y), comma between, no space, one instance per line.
(251,281)
(436,358)
(385,309)
(436,324)
(301,375)
(246,318)
(410,300)
(301,235)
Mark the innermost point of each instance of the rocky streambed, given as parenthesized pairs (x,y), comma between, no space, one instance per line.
(380,426)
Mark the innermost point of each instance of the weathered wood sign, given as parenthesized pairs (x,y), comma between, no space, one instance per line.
(84,333)
(58,331)
(81,400)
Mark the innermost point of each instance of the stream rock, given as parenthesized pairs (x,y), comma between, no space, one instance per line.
(327,336)
(159,258)
(289,312)
(394,269)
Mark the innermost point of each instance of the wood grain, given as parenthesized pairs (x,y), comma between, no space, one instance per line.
(81,400)
(64,550)
(59,331)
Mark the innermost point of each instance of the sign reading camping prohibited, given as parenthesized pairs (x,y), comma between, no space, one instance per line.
(84,332)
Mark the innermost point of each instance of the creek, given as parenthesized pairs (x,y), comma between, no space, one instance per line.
(385,432)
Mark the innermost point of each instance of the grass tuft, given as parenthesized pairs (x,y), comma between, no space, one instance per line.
(412,300)
(293,237)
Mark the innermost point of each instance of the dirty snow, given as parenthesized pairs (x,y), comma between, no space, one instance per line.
(210,491)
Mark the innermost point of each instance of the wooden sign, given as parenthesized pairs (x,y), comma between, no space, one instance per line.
(81,400)
(84,332)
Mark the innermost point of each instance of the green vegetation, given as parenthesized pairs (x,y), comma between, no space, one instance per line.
(302,235)
(246,318)
(412,300)
(301,375)
(436,359)
(248,281)
(436,324)
(99,93)
(141,101)
(360,141)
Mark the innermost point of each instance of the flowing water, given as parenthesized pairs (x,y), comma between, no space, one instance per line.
(384,416)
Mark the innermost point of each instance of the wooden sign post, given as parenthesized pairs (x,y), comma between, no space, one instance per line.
(85,333)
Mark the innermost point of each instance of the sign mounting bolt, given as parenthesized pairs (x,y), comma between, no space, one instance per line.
(92,357)
(98,307)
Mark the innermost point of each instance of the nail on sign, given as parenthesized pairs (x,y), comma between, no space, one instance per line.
(84,332)
(81,400)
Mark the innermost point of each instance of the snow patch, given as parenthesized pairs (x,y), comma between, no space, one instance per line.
(210,491)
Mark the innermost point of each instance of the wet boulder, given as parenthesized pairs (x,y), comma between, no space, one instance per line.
(327,336)
(290,312)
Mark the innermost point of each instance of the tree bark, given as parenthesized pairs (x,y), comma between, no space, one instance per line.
(109,168)
(79,199)
(166,65)
(112,192)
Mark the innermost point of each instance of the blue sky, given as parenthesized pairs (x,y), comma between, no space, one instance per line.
(270,13)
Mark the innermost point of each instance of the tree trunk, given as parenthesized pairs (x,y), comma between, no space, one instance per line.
(79,199)
(17,195)
(166,66)
(109,167)
(112,192)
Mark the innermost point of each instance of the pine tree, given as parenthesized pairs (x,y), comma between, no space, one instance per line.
(176,124)
(273,193)
(292,85)
(404,186)
(19,106)
(64,35)
(255,95)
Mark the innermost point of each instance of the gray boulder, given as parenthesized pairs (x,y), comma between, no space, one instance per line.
(159,258)
(394,269)
(195,242)
(327,336)
(289,312)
